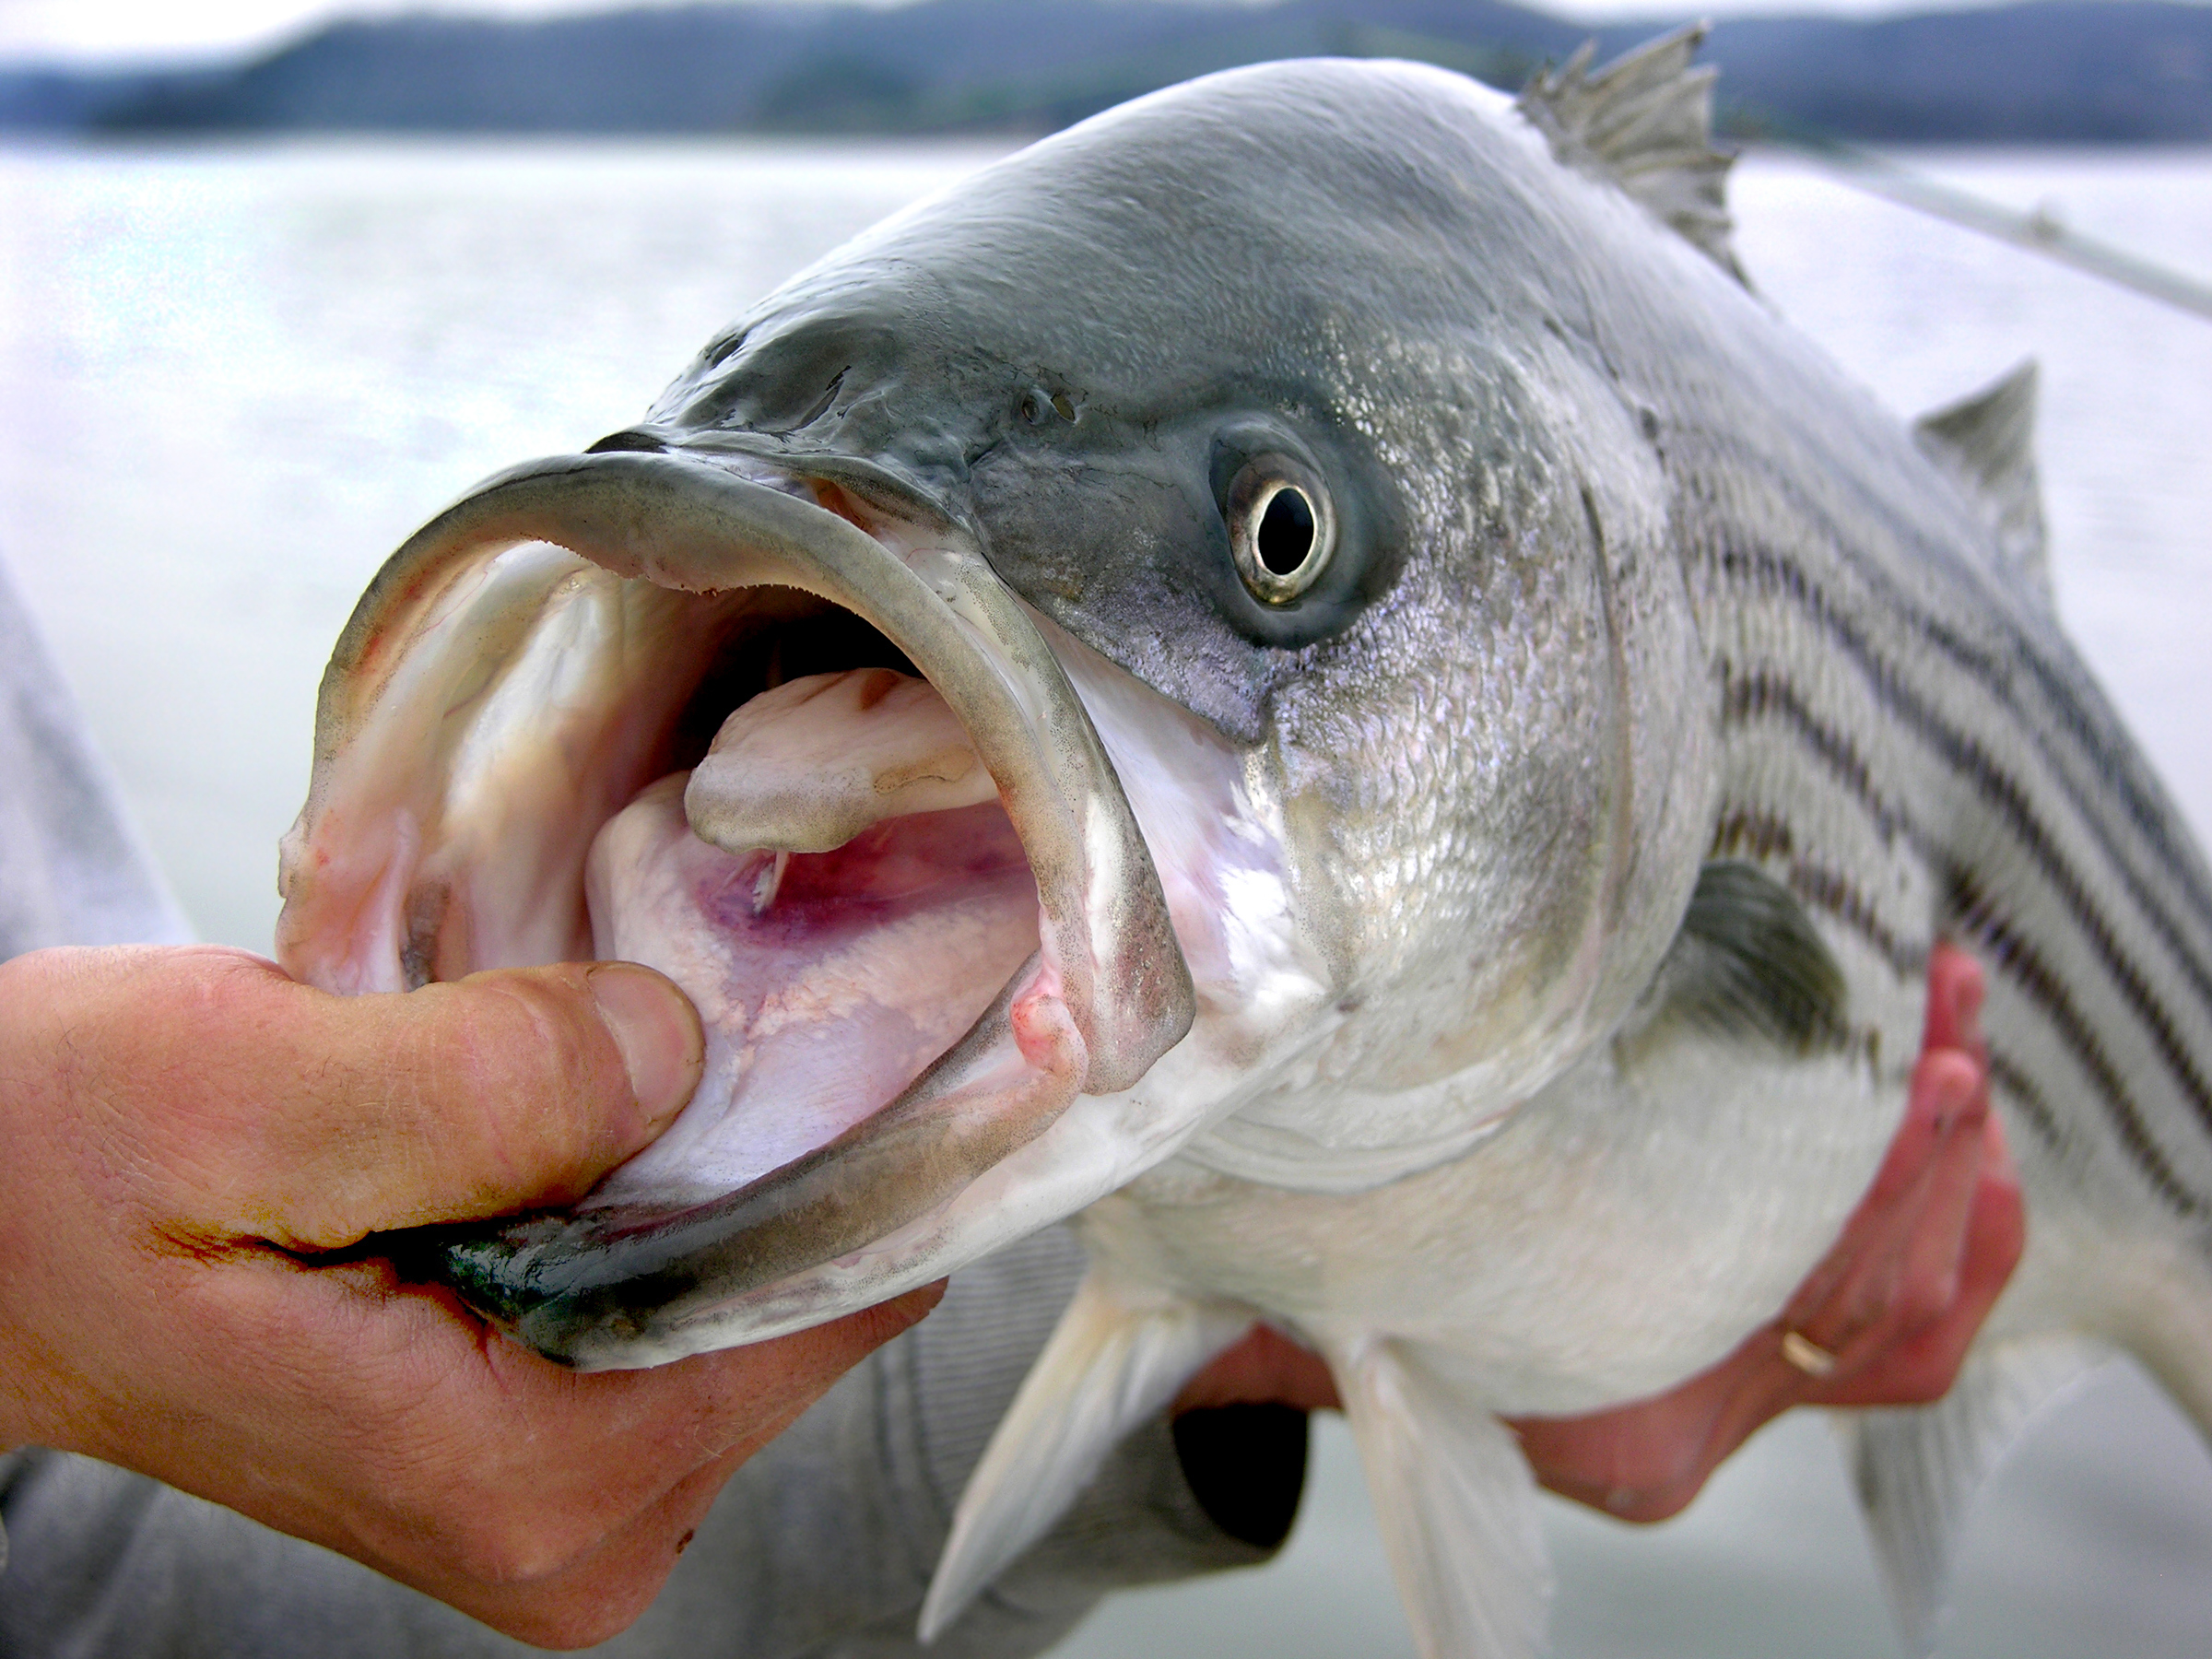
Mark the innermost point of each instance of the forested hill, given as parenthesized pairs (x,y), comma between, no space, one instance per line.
(2059,71)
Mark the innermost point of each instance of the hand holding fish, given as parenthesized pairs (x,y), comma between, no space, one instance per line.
(189,1130)
(1892,1308)
(1884,1320)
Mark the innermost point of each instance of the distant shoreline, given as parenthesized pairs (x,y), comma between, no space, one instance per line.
(2050,72)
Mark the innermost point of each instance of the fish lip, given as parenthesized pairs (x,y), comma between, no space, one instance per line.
(577,1287)
(896,491)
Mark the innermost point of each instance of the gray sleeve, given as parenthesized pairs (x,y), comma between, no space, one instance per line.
(71,871)
(821,1548)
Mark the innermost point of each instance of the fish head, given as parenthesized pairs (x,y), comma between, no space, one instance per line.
(1166,646)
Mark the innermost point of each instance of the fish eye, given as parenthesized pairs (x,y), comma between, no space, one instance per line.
(1035,404)
(1281,529)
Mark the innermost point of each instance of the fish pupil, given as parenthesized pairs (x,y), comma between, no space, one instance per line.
(1286,533)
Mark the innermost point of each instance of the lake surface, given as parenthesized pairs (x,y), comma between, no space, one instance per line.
(232,380)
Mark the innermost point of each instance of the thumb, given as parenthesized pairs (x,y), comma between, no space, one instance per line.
(507,1089)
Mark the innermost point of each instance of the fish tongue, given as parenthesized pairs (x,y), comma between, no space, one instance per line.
(820,1006)
(809,765)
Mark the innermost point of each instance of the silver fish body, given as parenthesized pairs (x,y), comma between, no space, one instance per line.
(1494,724)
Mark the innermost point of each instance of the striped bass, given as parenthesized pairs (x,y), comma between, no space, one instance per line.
(1300,671)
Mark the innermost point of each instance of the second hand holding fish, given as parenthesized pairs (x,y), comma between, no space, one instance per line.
(1893,1306)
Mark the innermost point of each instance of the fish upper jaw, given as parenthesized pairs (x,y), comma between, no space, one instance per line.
(496,739)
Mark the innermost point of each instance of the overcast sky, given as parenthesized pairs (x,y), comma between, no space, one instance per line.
(140,29)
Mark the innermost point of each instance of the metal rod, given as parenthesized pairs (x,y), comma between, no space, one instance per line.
(2039,232)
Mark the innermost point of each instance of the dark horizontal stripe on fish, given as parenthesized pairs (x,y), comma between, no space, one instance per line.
(1747,832)
(1767,693)
(2011,1081)
(2017,960)
(1994,670)
(1777,574)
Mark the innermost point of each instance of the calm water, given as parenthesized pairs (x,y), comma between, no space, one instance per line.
(232,380)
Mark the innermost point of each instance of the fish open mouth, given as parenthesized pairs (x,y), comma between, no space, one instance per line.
(817,766)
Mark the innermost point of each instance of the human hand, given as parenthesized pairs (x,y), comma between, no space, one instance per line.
(1893,1306)
(1884,1320)
(188,1131)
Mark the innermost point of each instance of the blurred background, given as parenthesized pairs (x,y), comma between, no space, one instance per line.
(279,278)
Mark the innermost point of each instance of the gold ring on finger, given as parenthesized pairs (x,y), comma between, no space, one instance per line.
(1808,1356)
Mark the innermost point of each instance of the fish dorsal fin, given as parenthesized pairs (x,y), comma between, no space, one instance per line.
(1987,442)
(1917,1468)
(1116,1359)
(1645,121)
(1748,964)
(1455,1504)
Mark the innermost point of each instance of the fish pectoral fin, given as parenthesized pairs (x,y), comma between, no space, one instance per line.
(1119,1355)
(1916,1468)
(1456,1505)
(1987,443)
(1747,964)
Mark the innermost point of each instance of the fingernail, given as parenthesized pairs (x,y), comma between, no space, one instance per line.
(1954,1097)
(653,1024)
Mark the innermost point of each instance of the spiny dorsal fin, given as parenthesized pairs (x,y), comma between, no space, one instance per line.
(1987,442)
(1645,121)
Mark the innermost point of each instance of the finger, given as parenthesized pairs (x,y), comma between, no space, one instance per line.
(1848,1284)
(608,1590)
(1904,1252)
(458,1423)
(330,1117)
(499,1090)
(1923,1367)
(1263,1366)
(1894,1257)
(1927,1279)
(1955,996)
